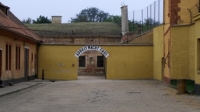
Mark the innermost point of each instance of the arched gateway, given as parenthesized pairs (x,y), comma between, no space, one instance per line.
(88,48)
(91,60)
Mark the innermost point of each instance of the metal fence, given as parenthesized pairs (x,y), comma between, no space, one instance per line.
(146,19)
(195,9)
(187,14)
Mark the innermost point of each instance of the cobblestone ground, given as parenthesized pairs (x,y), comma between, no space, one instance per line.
(99,95)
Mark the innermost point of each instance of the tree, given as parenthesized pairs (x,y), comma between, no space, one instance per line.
(90,15)
(116,19)
(27,21)
(41,19)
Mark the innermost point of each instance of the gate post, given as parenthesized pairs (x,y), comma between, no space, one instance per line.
(42,74)
(181,86)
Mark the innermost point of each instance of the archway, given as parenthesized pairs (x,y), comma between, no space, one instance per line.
(92,61)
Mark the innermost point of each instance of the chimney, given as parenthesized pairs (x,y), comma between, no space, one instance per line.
(4,8)
(56,19)
(124,19)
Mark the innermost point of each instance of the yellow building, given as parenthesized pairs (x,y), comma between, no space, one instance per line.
(18,50)
(170,52)
(180,57)
(83,33)
(90,48)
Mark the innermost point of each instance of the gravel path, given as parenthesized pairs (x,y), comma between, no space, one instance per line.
(99,95)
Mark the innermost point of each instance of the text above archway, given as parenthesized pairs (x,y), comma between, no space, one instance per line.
(88,48)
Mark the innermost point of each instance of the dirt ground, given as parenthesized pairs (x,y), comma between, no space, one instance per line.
(95,94)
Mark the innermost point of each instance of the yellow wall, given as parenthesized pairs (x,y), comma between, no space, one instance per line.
(192,46)
(57,62)
(180,42)
(129,62)
(183,52)
(157,52)
(180,53)
(124,62)
(146,38)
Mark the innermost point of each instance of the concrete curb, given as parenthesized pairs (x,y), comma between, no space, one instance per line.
(18,90)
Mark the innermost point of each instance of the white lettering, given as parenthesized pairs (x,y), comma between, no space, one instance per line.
(87,48)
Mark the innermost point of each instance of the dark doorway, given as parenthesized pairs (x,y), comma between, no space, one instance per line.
(92,63)
(26,63)
(0,64)
(100,61)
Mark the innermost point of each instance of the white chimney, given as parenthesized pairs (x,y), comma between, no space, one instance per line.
(56,19)
(124,19)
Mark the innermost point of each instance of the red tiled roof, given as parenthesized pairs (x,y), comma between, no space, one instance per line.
(12,23)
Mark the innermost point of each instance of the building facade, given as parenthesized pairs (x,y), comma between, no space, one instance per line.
(180,44)
(18,49)
(84,33)
(169,52)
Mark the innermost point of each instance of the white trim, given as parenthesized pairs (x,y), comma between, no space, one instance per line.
(88,48)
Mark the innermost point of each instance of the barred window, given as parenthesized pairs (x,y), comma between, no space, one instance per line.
(8,56)
(32,57)
(81,61)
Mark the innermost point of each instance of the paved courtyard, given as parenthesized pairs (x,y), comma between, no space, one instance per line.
(91,94)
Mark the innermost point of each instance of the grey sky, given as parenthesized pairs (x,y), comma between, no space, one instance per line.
(69,8)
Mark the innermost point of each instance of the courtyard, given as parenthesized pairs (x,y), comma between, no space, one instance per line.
(95,94)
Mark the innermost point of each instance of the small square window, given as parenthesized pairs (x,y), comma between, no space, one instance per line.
(81,61)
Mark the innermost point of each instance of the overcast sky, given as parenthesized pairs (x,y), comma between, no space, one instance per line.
(69,8)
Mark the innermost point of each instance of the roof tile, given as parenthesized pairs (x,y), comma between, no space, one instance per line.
(12,23)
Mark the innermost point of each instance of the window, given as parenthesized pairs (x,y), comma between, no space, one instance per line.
(100,61)
(17,57)
(32,57)
(8,56)
(81,61)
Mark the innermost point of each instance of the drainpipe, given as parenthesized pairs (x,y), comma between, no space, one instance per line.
(37,47)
